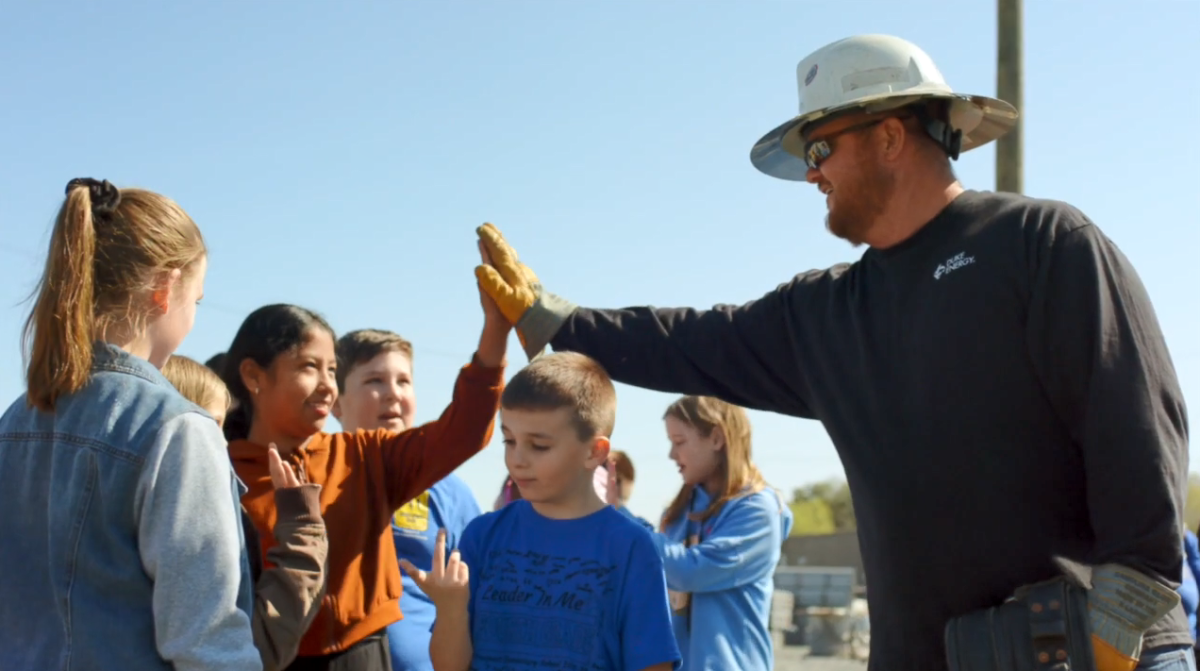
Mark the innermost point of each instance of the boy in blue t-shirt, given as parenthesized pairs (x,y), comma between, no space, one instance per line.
(559,579)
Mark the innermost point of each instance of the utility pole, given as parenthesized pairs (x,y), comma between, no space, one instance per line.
(1010,84)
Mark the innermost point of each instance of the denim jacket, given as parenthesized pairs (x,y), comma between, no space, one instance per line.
(120,542)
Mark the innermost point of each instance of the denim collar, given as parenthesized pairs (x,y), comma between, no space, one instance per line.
(110,358)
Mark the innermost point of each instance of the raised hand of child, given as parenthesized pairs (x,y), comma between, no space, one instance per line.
(536,313)
(511,283)
(492,315)
(493,342)
(447,583)
(282,475)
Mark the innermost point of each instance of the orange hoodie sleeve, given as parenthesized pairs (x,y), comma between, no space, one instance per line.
(417,458)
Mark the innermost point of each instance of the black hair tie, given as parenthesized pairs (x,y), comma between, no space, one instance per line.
(105,197)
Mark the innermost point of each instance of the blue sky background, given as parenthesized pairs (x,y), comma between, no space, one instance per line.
(340,155)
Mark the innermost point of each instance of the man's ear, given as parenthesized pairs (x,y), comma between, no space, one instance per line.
(895,136)
(598,451)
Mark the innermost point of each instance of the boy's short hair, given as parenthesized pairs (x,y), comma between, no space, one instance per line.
(196,382)
(358,347)
(624,465)
(566,380)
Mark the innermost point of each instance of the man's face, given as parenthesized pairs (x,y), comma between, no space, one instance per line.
(379,394)
(856,184)
(545,457)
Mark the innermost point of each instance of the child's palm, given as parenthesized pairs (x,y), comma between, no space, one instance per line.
(447,583)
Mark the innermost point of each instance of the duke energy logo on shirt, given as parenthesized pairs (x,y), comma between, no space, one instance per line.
(953,263)
(414,515)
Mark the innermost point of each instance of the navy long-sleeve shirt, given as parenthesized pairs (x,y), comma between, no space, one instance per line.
(997,387)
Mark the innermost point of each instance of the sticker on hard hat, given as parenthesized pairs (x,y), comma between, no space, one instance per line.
(812,74)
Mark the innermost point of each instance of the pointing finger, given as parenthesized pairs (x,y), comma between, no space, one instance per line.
(439,554)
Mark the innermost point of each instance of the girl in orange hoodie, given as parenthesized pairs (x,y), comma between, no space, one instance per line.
(280,370)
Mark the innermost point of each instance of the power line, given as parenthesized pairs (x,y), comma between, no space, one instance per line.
(231,310)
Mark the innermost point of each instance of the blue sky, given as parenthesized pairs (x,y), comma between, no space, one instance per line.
(340,155)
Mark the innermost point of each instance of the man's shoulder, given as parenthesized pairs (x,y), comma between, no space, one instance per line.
(1045,215)
(818,278)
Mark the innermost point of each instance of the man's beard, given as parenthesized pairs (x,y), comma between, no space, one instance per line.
(858,206)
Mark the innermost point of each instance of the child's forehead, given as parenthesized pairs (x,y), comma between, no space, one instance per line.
(389,361)
(317,342)
(546,422)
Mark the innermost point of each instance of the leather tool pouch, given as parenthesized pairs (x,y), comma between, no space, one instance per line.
(1042,627)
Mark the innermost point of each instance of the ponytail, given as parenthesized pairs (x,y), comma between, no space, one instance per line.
(93,282)
(61,327)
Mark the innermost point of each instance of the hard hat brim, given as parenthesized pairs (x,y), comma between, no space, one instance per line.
(780,152)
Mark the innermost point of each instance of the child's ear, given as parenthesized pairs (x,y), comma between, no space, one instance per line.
(166,284)
(598,451)
(337,408)
(252,375)
(718,439)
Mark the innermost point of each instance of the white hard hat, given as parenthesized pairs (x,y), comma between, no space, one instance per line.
(874,73)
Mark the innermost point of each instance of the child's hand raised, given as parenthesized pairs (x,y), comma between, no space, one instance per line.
(447,583)
(493,344)
(493,316)
(282,475)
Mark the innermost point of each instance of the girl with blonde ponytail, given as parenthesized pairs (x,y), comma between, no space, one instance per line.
(122,545)
(720,539)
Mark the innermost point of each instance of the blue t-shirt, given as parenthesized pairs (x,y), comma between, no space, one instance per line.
(649,527)
(448,505)
(586,594)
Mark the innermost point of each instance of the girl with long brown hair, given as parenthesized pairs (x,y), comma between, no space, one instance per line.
(720,538)
(122,543)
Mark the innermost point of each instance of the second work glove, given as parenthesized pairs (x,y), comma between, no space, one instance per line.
(535,313)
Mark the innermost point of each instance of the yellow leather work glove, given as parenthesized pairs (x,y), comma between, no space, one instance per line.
(1122,605)
(509,282)
(535,313)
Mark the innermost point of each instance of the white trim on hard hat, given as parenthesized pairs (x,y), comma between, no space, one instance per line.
(873,73)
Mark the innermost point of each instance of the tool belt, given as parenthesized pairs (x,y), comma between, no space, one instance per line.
(1042,626)
(1087,619)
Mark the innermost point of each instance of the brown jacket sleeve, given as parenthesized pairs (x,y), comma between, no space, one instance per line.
(418,458)
(288,596)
